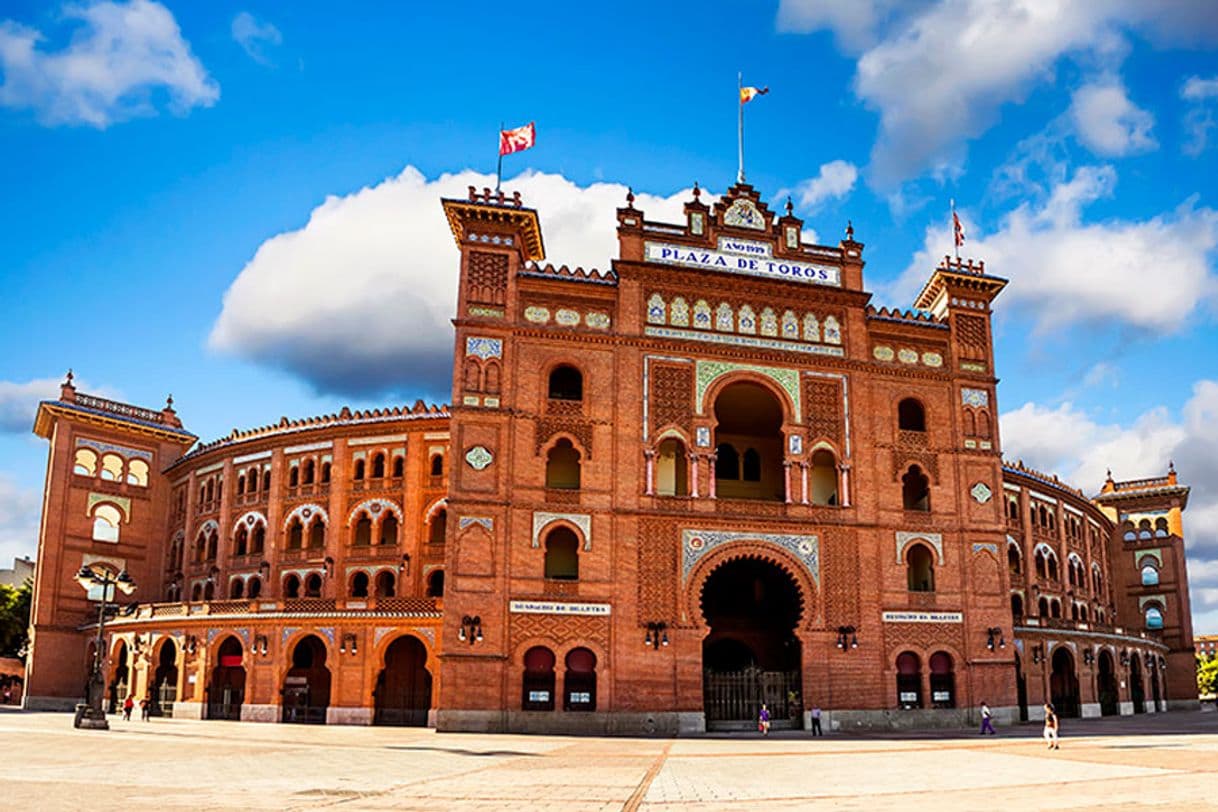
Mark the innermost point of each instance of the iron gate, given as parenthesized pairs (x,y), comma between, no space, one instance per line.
(733,698)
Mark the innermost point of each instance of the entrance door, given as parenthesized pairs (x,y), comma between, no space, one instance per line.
(751,655)
(1136,690)
(227,689)
(306,688)
(165,681)
(1107,684)
(1063,684)
(403,689)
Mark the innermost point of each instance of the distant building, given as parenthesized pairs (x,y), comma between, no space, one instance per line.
(1207,645)
(23,570)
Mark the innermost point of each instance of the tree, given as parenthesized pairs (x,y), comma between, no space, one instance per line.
(15,619)
(1207,676)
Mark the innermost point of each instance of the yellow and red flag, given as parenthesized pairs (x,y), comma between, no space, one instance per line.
(747,94)
(516,140)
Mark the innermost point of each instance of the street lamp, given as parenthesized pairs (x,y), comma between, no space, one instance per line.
(91,715)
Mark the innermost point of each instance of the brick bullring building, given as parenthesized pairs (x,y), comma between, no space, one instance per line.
(711,476)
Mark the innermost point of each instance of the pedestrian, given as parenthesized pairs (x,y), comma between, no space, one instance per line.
(816,731)
(763,720)
(146,709)
(1050,727)
(8,694)
(128,704)
(987,726)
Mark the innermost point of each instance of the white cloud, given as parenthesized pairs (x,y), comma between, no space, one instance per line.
(835,180)
(1067,441)
(19,514)
(359,300)
(940,75)
(1108,123)
(1089,272)
(255,37)
(1196,88)
(19,402)
(1199,120)
(121,58)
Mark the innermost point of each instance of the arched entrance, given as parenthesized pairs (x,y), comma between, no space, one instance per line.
(1106,684)
(1063,684)
(306,686)
(1137,691)
(403,688)
(1021,688)
(751,654)
(165,680)
(227,689)
(749,443)
(120,680)
(1154,685)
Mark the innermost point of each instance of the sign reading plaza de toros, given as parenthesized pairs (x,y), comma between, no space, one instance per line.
(742,257)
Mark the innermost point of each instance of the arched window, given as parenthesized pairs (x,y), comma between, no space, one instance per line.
(537,689)
(1082,613)
(1097,581)
(911,416)
(970,423)
(310,472)
(106,521)
(317,535)
(1055,608)
(437,465)
(490,380)
(325,472)
(823,478)
(266,479)
(378,466)
(915,490)
(312,586)
(86,462)
(295,535)
(942,681)
(909,681)
(293,476)
(385,583)
(196,593)
(363,531)
(566,383)
(1042,570)
(240,484)
(727,462)
(240,541)
(1042,607)
(291,587)
(750,467)
(399,466)
(213,545)
(1017,608)
(1161,528)
(258,539)
(1014,561)
(1013,509)
(358,471)
(209,590)
(439,527)
(1074,611)
(579,682)
(562,466)
(255,587)
(920,568)
(562,555)
(1154,617)
(112,468)
(435,584)
(672,469)
(236,590)
(137,473)
(389,530)
(1051,562)
(983,425)
(359,585)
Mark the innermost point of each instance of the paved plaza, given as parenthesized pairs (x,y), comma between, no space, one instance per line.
(1167,761)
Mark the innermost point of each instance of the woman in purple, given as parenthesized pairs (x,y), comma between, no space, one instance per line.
(763,720)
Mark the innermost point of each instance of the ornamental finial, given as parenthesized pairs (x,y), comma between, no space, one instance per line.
(629,196)
(697,191)
(850,230)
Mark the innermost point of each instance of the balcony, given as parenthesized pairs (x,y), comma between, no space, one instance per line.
(560,588)
(303,554)
(377,551)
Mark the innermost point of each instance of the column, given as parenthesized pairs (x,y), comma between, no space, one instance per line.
(650,456)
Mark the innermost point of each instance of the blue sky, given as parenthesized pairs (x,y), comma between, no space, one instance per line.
(237,202)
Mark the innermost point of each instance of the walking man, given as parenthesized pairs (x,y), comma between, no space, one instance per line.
(987,726)
(816,731)
(1051,727)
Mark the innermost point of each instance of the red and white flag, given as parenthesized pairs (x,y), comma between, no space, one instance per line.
(521,138)
(747,94)
(958,227)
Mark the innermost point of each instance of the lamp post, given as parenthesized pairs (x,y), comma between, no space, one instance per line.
(91,715)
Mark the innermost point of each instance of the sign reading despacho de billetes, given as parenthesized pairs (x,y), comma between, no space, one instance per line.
(923,617)
(742,257)
(555,608)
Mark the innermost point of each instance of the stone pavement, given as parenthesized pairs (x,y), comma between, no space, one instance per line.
(1167,761)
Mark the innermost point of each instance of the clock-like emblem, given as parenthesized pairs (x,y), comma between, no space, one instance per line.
(981,493)
(478,457)
(744,214)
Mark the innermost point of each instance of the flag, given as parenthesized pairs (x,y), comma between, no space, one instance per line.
(958,227)
(747,94)
(518,139)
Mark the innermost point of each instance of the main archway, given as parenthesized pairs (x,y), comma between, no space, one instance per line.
(1063,684)
(403,688)
(306,687)
(227,689)
(751,655)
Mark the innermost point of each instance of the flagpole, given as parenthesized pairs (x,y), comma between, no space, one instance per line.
(740,126)
(499,167)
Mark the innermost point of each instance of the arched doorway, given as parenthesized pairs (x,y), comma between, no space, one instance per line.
(909,681)
(403,688)
(1106,685)
(1063,684)
(1021,688)
(120,680)
(227,689)
(942,681)
(751,654)
(1154,685)
(749,443)
(306,686)
(165,680)
(1137,691)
